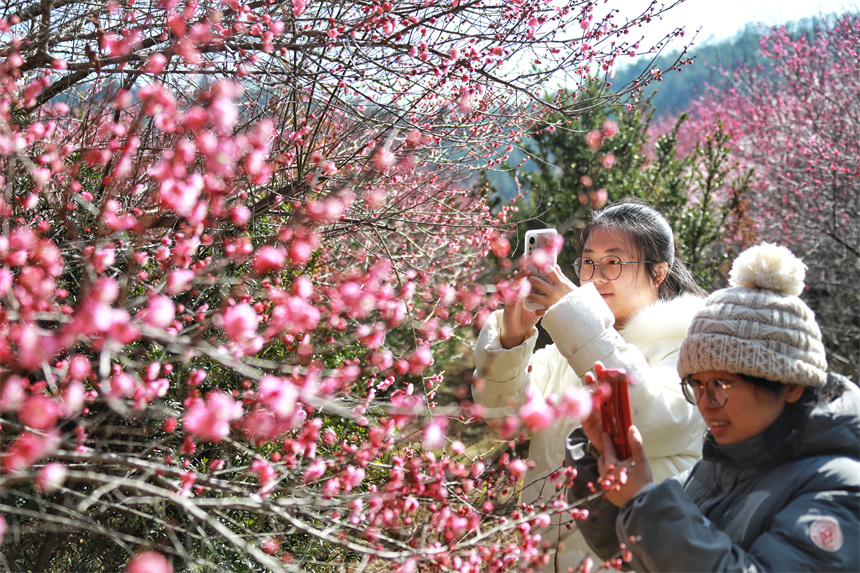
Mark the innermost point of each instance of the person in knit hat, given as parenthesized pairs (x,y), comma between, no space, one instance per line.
(778,486)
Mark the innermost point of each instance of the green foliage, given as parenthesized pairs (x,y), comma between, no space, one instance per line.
(570,174)
(699,191)
(717,208)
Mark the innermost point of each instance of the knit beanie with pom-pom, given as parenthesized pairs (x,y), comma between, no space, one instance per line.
(758,326)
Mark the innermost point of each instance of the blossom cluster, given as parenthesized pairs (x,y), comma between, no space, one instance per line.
(237,243)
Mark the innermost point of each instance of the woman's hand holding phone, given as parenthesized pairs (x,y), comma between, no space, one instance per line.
(625,478)
(521,315)
(517,319)
(548,292)
(517,322)
(609,428)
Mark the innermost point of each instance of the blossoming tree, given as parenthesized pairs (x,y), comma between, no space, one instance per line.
(237,242)
(796,123)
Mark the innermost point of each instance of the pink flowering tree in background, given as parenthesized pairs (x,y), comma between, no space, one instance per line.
(796,123)
(239,246)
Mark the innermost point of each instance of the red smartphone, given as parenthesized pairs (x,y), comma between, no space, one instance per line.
(615,409)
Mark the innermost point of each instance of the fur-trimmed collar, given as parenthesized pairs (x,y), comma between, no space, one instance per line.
(663,320)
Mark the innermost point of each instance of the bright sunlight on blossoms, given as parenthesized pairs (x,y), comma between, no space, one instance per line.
(241,247)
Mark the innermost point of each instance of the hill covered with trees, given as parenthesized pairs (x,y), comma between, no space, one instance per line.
(675,90)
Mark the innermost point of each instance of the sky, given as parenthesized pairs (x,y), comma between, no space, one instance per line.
(720,19)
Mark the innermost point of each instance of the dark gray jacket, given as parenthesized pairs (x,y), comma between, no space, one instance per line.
(745,507)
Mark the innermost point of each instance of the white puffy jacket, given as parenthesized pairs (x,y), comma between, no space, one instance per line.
(581,326)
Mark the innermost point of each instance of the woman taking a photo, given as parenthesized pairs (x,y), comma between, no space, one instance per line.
(631,311)
(778,487)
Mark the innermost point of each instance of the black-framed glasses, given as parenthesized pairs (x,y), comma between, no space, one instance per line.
(716,389)
(610,267)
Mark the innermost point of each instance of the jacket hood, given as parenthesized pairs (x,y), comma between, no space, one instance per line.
(831,428)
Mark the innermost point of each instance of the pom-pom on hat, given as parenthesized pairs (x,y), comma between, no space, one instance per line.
(758,326)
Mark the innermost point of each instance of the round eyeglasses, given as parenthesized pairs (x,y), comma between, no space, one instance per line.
(716,389)
(610,267)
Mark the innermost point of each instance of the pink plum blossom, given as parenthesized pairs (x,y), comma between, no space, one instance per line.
(609,128)
(27,449)
(421,359)
(155,63)
(210,419)
(536,414)
(382,160)
(79,367)
(517,468)
(315,471)
(240,215)
(331,487)
(542,520)
(120,385)
(299,252)
(149,562)
(279,395)
(299,7)
(73,399)
(240,324)
(39,412)
(598,198)
(408,566)
(608,161)
(181,195)
(270,545)
(269,259)
(160,312)
(179,281)
(51,477)
(500,245)
(434,433)
(12,393)
(352,477)
(303,287)
(195,377)
(329,168)
(594,139)
(103,258)
(265,472)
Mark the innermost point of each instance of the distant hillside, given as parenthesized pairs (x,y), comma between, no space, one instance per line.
(678,88)
(673,94)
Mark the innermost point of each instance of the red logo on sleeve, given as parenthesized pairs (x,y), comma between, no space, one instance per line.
(826,534)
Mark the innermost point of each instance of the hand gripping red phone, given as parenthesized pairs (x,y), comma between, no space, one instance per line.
(615,407)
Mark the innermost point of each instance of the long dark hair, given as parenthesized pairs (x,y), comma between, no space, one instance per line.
(651,236)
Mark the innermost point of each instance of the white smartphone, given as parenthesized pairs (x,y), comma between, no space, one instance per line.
(541,253)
